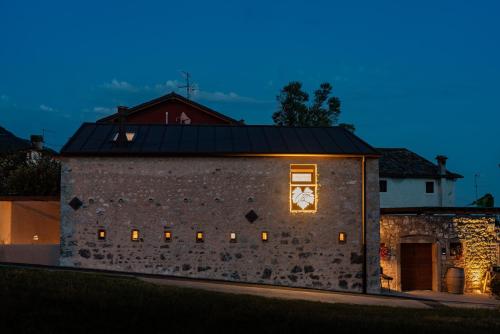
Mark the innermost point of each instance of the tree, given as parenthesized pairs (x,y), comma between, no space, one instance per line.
(294,111)
(487,201)
(23,174)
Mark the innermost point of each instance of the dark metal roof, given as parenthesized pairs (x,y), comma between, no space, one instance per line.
(403,163)
(96,139)
(467,210)
(169,97)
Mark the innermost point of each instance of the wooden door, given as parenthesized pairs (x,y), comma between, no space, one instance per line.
(416,266)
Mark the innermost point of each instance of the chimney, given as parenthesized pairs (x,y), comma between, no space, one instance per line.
(37,142)
(121,140)
(441,160)
(122,109)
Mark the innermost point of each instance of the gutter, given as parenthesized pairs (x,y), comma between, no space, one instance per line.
(363,223)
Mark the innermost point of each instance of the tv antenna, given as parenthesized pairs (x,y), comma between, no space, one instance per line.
(476,176)
(190,87)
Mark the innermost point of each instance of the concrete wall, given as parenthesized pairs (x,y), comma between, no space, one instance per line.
(477,235)
(5,222)
(31,254)
(40,218)
(213,195)
(411,193)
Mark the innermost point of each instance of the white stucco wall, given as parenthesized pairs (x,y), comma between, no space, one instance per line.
(411,193)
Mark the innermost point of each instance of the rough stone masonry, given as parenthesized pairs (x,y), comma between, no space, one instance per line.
(213,195)
(476,236)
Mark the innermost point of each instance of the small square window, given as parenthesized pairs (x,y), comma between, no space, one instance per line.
(456,249)
(383,186)
(167,235)
(134,235)
(342,238)
(232,237)
(199,237)
(429,187)
(265,236)
(101,234)
(129,135)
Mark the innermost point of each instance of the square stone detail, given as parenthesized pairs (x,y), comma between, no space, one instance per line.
(75,203)
(251,216)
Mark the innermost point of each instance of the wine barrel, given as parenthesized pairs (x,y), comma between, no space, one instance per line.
(455,280)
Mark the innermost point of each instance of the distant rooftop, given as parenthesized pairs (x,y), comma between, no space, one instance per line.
(403,163)
(98,139)
(164,99)
(11,143)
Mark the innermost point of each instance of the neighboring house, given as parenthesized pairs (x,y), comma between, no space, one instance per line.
(171,108)
(409,180)
(29,225)
(287,206)
(10,143)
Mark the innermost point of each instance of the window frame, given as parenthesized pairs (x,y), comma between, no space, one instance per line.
(99,237)
(431,184)
(200,237)
(382,189)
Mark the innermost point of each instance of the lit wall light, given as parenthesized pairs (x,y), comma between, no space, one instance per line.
(101,234)
(303,188)
(342,238)
(35,237)
(265,236)
(134,236)
(199,237)
(232,237)
(167,235)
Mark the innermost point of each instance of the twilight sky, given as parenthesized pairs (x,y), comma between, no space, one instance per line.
(424,75)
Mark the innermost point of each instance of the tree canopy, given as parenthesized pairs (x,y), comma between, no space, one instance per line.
(29,174)
(294,110)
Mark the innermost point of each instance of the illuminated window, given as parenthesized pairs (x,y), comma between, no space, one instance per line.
(232,237)
(265,236)
(129,135)
(303,188)
(167,235)
(199,237)
(35,237)
(342,238)
(134,235)
(101,234)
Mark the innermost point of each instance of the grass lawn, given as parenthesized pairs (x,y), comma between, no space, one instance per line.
(40,301)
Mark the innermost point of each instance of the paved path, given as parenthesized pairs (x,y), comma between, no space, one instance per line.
(425,300)
(452,300)
(415,299)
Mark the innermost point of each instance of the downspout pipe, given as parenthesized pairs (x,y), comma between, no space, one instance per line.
(363,223)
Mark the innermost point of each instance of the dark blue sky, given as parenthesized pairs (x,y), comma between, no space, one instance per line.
(423,75)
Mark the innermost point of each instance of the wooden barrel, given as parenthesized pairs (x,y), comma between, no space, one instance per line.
(455,280)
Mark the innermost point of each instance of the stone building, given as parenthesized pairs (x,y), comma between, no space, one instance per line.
(419,245)
(275,205)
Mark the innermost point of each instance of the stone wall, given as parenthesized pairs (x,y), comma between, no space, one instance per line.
(477,236)
(213,195)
